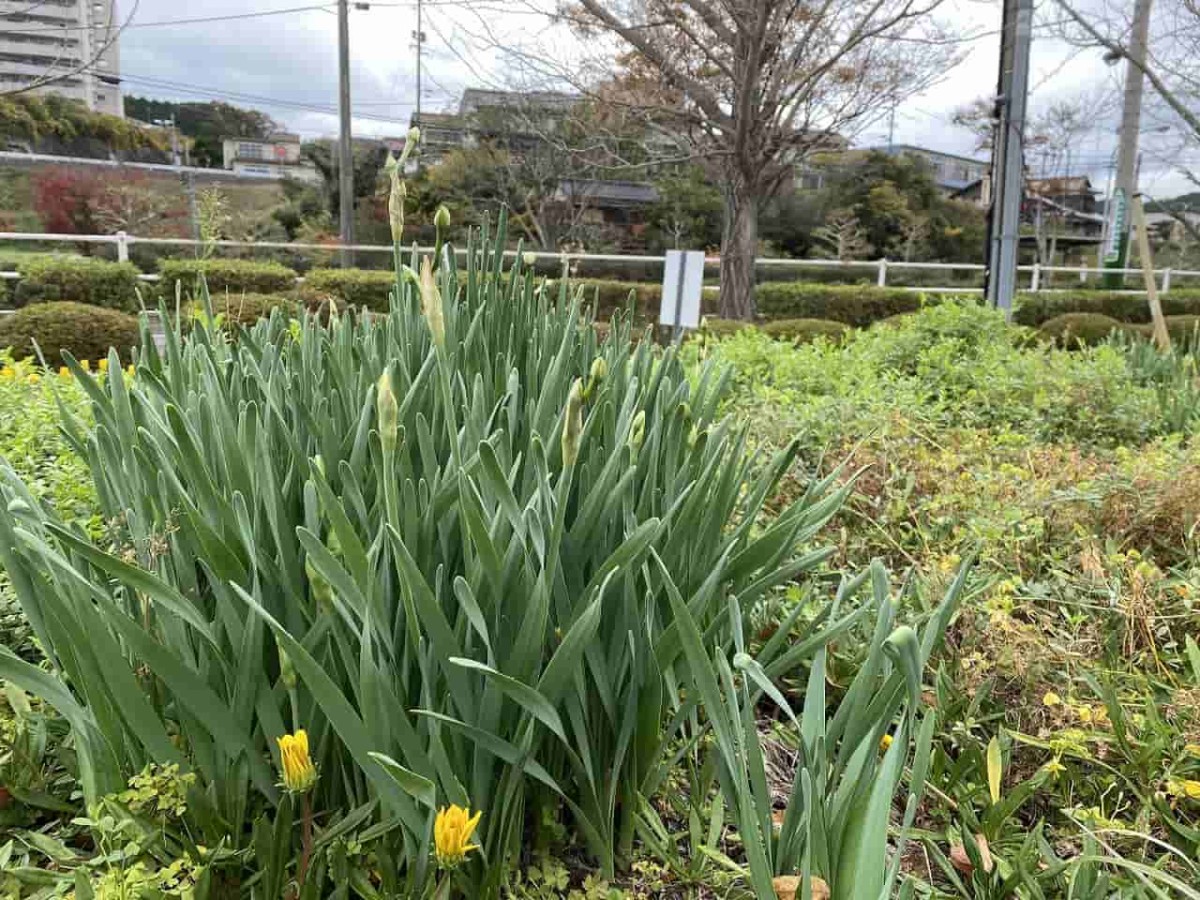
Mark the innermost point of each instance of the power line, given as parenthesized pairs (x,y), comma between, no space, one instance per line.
(165,23)
(200,90)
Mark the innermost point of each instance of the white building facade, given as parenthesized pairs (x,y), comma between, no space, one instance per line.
(71,44)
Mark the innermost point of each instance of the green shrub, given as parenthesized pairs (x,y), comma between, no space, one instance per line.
(353,287)
(235,276)
(84,331)
(801,331)
(1036,308)
(78,279)
(852,305)
(1073,329)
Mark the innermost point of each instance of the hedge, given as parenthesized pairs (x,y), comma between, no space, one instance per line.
(803,331)
(1036,308)
(1075,328)
(353,287)
(234,276)
(77,279)
(85,331)
(858,306)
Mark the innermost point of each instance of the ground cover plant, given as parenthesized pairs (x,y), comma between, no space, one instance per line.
(1067,713)
(412,605)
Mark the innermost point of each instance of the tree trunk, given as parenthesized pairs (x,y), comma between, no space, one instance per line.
(739,244)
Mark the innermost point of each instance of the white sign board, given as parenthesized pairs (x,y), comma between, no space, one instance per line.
(683,282)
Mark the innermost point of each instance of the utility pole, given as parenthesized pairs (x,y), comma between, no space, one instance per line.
(1116,251)
(419,37)
(345,147)
(1008,163)
(892,129)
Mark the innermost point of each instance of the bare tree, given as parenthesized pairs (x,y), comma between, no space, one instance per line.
(842,236)
(748,87)
(1170,66)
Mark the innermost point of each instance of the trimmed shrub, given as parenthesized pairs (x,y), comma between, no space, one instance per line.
(77,279)
(722,327)
(1080,328)
(859,306)
(802,331)
(235,276)
(1183,329)
(85,331)
(1036,308)
(354,287)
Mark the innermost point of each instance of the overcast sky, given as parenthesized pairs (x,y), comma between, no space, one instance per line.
(286,65)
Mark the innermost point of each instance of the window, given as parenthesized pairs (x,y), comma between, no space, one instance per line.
(247,150)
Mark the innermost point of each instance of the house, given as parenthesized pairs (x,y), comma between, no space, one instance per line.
(953,174)
(518,120)
(1167,227)
(277,157)
(611,202)
(1068,204)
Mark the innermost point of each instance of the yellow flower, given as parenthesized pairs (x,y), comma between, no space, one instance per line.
(1051,699)
(452,830)
(1084,713)
(64,372)
(129,369)
(7,372)
(885,742)
(102,365)
(1054,768)
(85,365)
(34,378)
(299,775)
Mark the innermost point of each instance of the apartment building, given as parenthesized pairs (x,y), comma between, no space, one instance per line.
(75,40)
(277,157)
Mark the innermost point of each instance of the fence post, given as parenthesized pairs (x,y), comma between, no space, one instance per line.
(881,281)
(122,247)
(1035,281)
(1166,284)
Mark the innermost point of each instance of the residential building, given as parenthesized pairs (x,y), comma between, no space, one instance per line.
(519,120)
(277,157)
(75,41)
(953,173)
(1067,205)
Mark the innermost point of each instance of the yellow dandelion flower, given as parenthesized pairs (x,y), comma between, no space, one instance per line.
(885,742)
(102,364)
(299,774)
(1051,699)
(7,372)
(452,831)
(64,372)
(1084,713)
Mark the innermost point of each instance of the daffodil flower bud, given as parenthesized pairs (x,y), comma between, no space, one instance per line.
(388,412)
(441,218)
(573,425)
(637,431)
(596,376)
(396,200)
(431,304)
(287,671)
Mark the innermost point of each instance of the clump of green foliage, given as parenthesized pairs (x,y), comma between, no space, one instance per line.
(77,279)
(86,332)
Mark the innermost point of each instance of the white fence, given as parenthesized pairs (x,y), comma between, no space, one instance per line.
(881,267)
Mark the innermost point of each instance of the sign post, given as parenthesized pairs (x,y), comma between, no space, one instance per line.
(683,283)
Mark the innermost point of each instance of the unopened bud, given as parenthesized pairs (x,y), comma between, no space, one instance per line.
(596,376)
(396,200)
(319,464)
(287,671)
(572,425)
(637,431)
(441,218)
(388,412)
(431,304)
(319,587)
(529,259)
